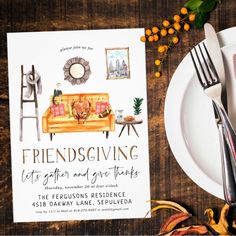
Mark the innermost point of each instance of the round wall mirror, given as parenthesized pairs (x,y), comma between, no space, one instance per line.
(76,70)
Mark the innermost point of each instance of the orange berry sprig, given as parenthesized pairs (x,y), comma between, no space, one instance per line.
(169,32)
(195,12)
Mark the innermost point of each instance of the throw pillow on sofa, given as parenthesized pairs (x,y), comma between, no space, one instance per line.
(101,107)
(58,110)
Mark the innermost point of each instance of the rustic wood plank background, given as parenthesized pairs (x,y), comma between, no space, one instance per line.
(168,181)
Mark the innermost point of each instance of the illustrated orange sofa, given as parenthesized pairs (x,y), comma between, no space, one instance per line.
(67,123)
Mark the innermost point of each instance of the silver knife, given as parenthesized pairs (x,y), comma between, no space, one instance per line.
(214,50)
(227,157)
(213,47)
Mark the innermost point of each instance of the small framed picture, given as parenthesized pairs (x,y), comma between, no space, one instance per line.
(117,62)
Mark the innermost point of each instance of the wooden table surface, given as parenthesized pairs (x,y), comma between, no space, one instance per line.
(168,181)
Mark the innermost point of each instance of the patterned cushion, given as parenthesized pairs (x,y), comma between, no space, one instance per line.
(101,106)
(58,110)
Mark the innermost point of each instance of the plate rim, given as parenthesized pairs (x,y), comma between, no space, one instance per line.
(173,108)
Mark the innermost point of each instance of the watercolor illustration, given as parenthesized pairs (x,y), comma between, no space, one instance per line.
(87,112)
(30,83)
(117,62)
(77,70)
(130,121)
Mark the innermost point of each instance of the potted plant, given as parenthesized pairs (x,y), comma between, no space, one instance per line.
(137,108)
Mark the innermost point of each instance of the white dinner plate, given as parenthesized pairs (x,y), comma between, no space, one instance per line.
(189,120)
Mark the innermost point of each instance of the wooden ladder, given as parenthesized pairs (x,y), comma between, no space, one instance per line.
(23,100)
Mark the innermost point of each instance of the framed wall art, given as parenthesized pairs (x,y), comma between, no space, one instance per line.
(117,62)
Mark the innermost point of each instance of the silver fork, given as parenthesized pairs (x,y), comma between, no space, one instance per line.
(210,82)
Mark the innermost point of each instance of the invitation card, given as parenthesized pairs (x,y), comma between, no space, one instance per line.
(79,125)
